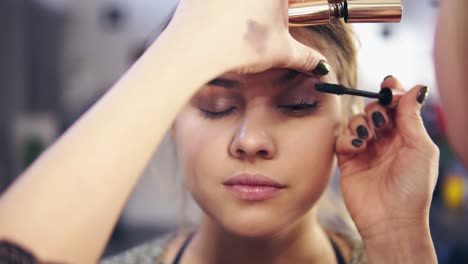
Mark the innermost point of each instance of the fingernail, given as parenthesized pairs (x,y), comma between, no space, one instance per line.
(357,142)
(322,69)
(378,119)
(422,95)
(388,76)
(362,132)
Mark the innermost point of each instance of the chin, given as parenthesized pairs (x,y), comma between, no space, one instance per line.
(255,226)
(259,232)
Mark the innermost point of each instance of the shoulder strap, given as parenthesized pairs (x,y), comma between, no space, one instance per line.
(182,249)
(339,256)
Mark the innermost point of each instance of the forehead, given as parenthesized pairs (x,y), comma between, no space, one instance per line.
(273,82)
(274,76)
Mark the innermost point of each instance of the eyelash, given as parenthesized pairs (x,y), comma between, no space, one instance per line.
(214,115)
(301,107)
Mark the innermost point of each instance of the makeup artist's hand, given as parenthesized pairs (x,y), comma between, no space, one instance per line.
(389,169)
(245,36)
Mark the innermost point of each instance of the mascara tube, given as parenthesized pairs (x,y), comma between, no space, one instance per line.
(318,12)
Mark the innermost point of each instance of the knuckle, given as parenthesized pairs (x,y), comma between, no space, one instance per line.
(430,150)
(372,107)
(358,118)
(434,150)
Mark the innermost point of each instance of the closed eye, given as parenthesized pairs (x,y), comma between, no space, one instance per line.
(217,114)
(300,108)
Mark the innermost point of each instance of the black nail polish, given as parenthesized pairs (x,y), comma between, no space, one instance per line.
(422,94)
(362,132)
(388,76)
(322,69)
(378,119)
(357,142)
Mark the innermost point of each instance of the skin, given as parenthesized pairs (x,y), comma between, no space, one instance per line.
(295,149)
(126,125)
(451,61)
(259,138)
(34,206)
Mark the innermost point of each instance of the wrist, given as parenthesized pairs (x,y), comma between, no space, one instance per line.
(400,242)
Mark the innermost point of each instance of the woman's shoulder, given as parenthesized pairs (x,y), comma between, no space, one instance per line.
(152,251)
(351,248)
(165,247)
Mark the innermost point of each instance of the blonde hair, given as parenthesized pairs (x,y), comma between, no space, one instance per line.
(338,45)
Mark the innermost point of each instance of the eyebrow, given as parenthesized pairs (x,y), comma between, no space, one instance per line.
(232,84)
(288,77)
(226,83)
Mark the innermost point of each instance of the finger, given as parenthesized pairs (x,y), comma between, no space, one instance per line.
(307,60)
(397,90)
(359,127)
(381,118)
(348,145)
(391,82)
(408,117)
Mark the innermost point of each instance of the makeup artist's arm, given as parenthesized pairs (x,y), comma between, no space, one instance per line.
(64,206)
(388,177)
(451,63)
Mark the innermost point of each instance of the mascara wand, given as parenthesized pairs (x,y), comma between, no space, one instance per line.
(385,96)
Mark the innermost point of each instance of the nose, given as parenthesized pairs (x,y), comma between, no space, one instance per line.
(252,140)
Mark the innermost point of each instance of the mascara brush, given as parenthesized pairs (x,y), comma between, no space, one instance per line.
(386,96)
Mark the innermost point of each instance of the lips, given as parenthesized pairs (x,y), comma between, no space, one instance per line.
(253,187)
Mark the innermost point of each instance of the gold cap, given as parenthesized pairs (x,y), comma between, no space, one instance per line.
(363,11)
(306,13)
(317,12)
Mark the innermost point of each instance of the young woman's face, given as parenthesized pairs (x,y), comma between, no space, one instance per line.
(272,124)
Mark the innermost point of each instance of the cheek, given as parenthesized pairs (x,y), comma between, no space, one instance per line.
(310,153)
(191,141)
(313,146)
(315,141)
(200,149)
(202,153)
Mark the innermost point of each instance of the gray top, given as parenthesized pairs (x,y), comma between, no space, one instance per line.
(151,252)
(147,253)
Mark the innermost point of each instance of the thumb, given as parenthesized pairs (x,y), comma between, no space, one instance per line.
(408,115)
(307,60)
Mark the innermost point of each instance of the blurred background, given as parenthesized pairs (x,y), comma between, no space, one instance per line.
(57,57)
